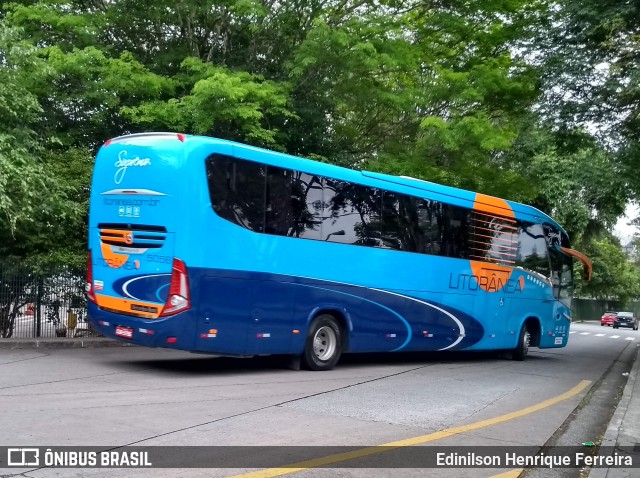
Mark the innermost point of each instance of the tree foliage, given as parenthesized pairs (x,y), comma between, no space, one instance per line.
(531,101)
(614,276)
(34,203)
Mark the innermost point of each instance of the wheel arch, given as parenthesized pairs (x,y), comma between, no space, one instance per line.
(535,330)
(342,317)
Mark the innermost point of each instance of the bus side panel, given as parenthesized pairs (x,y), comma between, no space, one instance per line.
(492,310)
(561,325)
(443,321)
(379,320)
(271,330)
(223,315)
(247,313)
(244,313)
(372,326)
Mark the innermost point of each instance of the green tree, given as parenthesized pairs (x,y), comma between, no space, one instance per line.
(36,205)
(218,102)
(32,199)
(570,176)
(614,276)
(591,61)
(456,93)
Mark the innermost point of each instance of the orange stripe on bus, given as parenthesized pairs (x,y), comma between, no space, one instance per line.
(118,232)
(114,239)
(493,205)
(496,276)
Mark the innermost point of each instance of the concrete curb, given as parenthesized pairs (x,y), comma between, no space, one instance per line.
(616,429)
(61,343)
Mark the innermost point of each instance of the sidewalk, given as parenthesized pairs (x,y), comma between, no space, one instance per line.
(623,433)
(61,343)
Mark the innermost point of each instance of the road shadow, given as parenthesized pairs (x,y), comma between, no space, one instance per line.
(219,365)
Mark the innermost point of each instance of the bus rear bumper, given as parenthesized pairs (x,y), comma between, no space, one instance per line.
(171,332)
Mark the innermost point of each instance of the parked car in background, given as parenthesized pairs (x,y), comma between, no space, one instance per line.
(626,319)
(608,318)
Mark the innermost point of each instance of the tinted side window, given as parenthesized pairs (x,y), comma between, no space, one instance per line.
(279,214)
(306,205)
(421,225)
(399,229)
(561,265)
(532,249)
(237,190)
(429,219)
(562,276)
(454,231)
(351,213)
(283,202)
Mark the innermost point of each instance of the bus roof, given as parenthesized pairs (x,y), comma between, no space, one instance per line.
(400,184)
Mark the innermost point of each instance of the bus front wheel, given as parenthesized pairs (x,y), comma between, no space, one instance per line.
(522,349)
(323,346)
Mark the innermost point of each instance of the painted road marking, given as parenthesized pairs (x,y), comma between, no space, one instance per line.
(615,336)
(600,335)
(630,338)
(572,332)
(585,333)
(374,450)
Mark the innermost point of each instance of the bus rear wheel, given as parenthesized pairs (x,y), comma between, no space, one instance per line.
(323,346)
(522,349)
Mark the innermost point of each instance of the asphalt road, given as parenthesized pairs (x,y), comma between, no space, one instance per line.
(112,397)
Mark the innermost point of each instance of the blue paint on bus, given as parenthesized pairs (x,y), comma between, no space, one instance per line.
(174,265)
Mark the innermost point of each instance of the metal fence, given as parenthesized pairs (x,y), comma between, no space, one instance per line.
(48,302)
(592,309)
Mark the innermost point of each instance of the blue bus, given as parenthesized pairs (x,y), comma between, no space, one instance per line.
(211,246)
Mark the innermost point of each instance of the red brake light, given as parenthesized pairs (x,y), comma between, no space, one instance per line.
(179,298)
(89,287)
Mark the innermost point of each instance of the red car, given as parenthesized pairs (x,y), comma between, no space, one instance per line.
(608,318)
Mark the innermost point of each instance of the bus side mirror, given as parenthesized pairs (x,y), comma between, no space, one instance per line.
(588,267)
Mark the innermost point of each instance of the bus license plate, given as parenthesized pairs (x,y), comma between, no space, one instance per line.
(124,332)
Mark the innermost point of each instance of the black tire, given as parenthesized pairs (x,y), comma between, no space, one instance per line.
(522,349)
(323,346)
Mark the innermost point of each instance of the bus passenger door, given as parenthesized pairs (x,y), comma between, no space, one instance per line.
(493,311)
(494,287)
(224,315)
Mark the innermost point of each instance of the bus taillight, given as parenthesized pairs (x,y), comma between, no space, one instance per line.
(179,298)
(91,295)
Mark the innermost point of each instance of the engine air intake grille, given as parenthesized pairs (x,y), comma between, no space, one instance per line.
(138,236)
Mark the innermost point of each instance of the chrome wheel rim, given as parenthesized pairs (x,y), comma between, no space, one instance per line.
(325,342)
